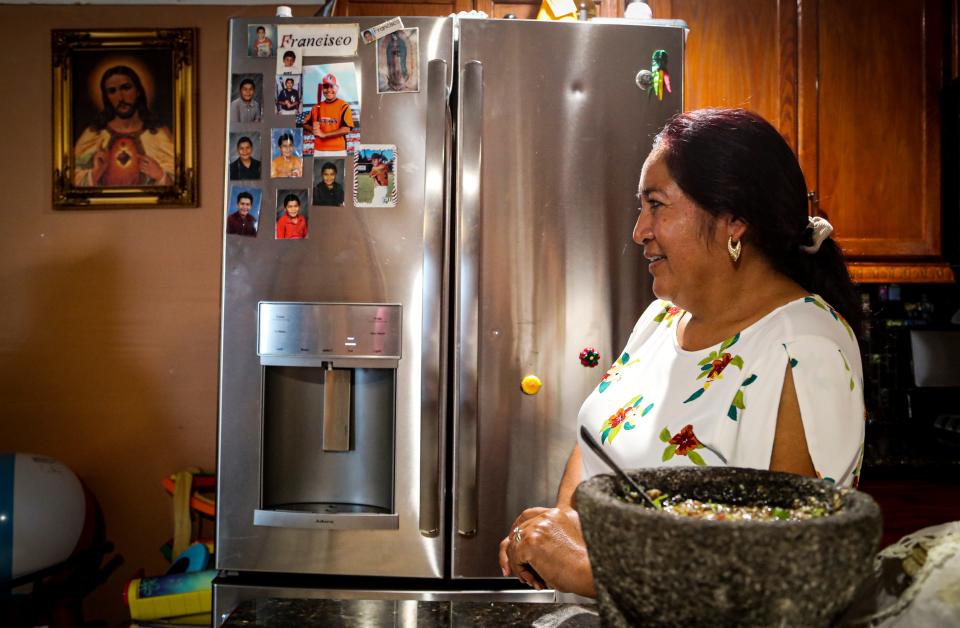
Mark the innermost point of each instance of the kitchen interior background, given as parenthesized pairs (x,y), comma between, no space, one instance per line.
(109,325)
(894,409)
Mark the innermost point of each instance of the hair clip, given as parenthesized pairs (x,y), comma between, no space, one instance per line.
(821,230)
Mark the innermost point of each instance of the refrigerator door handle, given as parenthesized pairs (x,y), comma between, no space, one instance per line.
(432,387)
(468,320)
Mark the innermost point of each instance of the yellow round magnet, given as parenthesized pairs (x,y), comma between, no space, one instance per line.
(531,384)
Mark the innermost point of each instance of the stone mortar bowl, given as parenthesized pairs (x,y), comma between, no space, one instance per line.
(652,568)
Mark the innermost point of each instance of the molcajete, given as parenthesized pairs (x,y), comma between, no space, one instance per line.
(652,568)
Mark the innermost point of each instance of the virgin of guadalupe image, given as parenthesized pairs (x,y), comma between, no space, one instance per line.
(398,62)
(126,144)
(397,73)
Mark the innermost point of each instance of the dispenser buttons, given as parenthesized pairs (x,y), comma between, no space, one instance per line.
(531,384)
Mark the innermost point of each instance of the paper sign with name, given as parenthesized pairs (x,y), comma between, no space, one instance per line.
(374,33)
(320,40)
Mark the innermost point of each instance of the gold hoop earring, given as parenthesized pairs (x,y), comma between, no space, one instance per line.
(733,249)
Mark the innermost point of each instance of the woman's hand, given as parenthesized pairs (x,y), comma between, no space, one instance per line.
(508,546)
(551,551)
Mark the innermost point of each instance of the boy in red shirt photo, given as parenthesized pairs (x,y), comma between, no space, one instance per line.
(261,46)
(291,225)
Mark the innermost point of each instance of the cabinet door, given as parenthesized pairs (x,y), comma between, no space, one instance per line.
(878,69)
(740,54)
(438,8)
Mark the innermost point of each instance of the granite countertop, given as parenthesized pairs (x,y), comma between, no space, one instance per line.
(278,612)
(914,580)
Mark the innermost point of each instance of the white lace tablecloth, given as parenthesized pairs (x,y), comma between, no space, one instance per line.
(915,584)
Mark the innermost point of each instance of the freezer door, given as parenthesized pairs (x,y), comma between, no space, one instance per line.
(553,131)
(271,518)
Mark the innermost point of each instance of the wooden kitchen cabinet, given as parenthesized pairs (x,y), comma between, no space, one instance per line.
(438,8)
(521,9)
(854,87)
(735,57)
(528,9)
(879,68)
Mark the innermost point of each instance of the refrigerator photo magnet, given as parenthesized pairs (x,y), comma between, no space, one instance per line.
(292,219)
(286,153)
(289,61)
(375,176)
(260,38)
(244,153)
(288,94)
(398,62)
(246,98)
(243,210)
(331,99)
(382,29)
(328,181)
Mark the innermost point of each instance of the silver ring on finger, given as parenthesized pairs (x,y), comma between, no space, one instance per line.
(517,537)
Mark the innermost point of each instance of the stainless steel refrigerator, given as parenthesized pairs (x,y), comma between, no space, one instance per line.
(374,438)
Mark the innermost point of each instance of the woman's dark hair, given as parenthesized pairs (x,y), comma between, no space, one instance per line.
(732,161)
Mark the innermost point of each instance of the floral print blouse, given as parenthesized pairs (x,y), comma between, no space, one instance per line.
(662,405)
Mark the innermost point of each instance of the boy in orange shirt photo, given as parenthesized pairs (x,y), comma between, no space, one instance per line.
(331,119)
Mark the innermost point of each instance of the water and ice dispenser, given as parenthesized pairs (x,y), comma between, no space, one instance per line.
(328,377)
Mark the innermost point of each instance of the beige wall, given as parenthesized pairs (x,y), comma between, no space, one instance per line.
(109,320)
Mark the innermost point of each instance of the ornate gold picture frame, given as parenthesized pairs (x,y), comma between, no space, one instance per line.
(124,118)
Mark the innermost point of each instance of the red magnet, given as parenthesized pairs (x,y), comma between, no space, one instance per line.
(589,357)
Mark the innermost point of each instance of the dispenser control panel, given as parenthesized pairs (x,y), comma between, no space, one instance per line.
(298,333)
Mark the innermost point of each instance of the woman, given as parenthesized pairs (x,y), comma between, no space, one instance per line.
(747,360)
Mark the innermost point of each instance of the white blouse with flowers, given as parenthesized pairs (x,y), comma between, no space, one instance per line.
(660,405)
